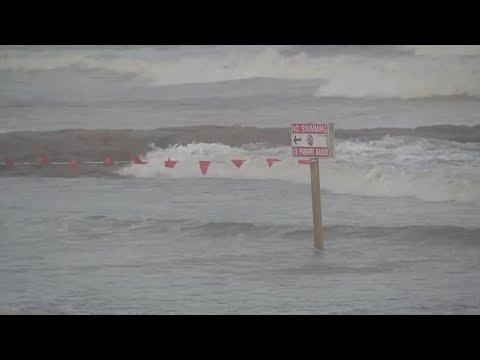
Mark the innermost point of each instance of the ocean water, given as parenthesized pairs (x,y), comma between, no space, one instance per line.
(400,202)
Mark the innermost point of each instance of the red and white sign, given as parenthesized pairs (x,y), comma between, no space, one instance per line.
(313,140)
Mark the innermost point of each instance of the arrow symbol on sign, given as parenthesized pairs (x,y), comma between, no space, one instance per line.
(295,139)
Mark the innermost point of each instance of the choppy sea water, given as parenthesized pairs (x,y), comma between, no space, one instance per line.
(400,212)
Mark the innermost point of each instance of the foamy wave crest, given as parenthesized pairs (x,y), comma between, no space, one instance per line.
(386,168)
(427,72)
(402,77)
(255,166)
(196,68)
(408,152)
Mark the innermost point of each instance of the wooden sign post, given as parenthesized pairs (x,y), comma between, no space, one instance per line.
(316,204)
(314,141)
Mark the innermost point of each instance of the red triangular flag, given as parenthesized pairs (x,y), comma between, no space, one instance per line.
(270,162)
(238,163)
(170,163)
(42,160)
(108,161)
(204,164)
(9,162)
(305,162)
(73,164)
(136,160)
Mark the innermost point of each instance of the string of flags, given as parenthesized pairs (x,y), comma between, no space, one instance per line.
(203,164)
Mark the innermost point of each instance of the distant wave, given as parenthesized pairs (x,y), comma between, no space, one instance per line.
(424,71)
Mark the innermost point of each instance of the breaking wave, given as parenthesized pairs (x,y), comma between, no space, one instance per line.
(387,168)
(416,72)
(374,162)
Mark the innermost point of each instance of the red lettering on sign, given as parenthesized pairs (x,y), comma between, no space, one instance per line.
(314,152)
(309,129)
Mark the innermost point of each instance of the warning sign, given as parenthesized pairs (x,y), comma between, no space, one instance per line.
(313,140)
